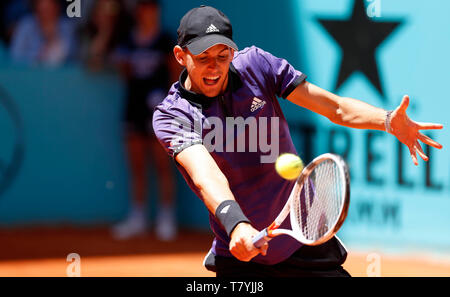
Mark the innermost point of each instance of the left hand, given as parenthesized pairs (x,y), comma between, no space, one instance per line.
(407,131)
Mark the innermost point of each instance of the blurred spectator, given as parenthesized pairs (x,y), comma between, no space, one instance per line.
(11,11)
(45,37)
(108,25)
(148,64)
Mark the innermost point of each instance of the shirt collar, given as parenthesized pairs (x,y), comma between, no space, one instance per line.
(234,83)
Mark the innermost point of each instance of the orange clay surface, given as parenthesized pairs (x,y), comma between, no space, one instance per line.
(43,252)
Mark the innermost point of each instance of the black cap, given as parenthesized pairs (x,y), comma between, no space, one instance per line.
(203,27)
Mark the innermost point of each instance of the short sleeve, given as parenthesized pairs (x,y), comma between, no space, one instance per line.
(177,128)
(282,75)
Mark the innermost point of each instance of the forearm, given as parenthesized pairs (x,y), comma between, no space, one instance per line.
(218,198)
(357,114)
(213,190)
(205,175)
(343,111)
(213,186)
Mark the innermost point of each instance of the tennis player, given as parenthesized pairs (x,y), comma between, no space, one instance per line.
(242,193)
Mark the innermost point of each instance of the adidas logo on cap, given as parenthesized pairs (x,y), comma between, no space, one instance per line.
(212,29)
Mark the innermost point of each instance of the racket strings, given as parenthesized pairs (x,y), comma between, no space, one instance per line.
(320,201)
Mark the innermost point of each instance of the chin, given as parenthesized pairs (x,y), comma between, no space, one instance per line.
(215,91)
(211,92)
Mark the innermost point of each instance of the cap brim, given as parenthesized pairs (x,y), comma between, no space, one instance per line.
(199,46)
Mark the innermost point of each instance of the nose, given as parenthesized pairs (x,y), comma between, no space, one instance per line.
(212,63)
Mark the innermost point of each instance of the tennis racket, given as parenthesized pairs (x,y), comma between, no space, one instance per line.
(318,203)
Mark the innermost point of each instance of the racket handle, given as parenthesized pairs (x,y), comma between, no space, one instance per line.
(260,239)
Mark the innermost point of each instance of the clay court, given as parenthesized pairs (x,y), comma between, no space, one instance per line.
(43,253)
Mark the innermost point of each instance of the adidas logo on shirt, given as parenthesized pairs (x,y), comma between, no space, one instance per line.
(212,29)
(257,104)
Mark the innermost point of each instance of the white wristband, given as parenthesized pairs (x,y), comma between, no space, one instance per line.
(387,122)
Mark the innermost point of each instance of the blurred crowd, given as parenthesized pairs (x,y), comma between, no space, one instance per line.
(39,32)
(120,35)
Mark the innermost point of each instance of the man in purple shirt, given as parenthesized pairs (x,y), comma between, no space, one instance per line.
(224,127)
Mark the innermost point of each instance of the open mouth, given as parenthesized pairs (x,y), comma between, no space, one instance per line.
(211,80)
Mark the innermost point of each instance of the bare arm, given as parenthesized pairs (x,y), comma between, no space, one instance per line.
(206,175)
(214,189)
(354,113)
(343,111)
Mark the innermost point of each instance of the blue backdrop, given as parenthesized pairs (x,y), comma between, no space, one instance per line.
(394,204)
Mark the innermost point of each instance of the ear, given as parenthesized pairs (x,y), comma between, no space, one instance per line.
(231,54)
(180,55)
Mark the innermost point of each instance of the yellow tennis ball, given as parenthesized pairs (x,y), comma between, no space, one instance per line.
(289,166)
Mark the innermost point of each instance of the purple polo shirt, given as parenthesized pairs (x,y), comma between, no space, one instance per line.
(244,129)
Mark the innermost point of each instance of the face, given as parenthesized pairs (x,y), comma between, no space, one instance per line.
(207,72)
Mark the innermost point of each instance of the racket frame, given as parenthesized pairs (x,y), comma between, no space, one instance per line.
(272,231)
